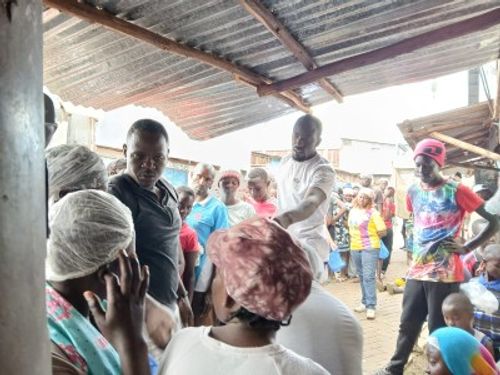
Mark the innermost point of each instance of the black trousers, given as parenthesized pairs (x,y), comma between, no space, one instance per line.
(421,299)
(387,240)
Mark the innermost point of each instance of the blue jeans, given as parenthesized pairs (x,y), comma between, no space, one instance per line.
(366,265)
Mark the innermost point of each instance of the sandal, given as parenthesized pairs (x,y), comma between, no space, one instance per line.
(339,277)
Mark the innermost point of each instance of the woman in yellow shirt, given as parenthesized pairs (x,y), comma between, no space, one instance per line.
(366,227)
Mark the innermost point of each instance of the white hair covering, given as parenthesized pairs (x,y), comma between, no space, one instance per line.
(72,168)
(88,229)
(368,192)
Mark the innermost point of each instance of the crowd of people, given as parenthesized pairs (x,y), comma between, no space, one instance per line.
(147,278)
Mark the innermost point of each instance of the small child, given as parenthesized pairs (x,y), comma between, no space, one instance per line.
(262,276)
(489,324)
(458,311)
(453,351)
(188,239)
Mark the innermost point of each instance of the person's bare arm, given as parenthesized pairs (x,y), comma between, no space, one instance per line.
(182,261)
(382,233)
(489,230)
(303,210)
(160,322)
(184,304)
(188,275)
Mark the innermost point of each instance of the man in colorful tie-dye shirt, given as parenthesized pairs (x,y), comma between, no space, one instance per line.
(438,205)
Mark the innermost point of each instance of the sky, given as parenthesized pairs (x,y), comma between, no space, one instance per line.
(370,116)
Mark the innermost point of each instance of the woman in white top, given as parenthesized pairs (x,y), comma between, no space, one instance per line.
(262,276)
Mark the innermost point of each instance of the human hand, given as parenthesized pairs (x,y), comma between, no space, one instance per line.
(160,322)
(454,245)
(185,311)
(122,322)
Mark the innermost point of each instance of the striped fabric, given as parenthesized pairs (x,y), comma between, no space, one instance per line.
(489,324)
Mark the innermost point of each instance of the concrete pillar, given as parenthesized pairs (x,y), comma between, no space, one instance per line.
(24,345)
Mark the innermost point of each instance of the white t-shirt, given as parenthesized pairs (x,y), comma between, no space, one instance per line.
(325,330)
(294,179)
(193,352)
(239,212)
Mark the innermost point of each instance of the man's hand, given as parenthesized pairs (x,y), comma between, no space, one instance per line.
(185,311)
(454,246)
(122,321)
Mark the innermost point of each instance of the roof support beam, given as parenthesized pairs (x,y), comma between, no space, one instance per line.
(279,30)
(93,15)
(496,114)
(481,22)
(475,166)
(466,146)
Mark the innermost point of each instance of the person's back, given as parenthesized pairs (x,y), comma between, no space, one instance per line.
(194,351)
(324,329)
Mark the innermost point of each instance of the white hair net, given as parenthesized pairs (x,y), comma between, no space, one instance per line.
(88,229)
(72,168)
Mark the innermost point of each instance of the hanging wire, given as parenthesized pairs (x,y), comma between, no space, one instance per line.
(486,89)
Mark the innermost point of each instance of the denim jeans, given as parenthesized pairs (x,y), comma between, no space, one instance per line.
(366,265)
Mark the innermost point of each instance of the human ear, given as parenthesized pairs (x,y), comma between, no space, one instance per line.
(125,150)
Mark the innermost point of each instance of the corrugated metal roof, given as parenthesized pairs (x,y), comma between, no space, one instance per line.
(93,66)
(470,124)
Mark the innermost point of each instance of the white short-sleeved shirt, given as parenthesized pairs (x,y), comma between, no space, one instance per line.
(193,352)
(239,212)
(325,330)
(294,179)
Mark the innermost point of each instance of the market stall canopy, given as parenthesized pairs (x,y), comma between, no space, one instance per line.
(201,62)
(472,126)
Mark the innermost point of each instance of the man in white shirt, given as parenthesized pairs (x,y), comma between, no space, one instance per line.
(305,181)
(324,329)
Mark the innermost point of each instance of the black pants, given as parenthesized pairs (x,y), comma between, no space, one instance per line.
(421,299)
(387,240)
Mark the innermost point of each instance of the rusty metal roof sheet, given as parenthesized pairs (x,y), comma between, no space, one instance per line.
(93,66)
(470,124)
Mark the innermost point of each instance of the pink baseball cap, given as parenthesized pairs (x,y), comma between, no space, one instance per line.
(230,173)
(264,269)
(432,148)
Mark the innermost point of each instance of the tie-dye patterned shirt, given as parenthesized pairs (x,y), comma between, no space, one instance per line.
(438,215)
(364,225)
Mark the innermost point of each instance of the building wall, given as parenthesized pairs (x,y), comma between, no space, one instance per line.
(376,158)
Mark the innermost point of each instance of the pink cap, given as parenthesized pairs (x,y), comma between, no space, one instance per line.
(264,269)
(230,173)
(431,148)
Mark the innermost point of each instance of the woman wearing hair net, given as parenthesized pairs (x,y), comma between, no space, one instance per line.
(91,233)
(74,167)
